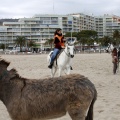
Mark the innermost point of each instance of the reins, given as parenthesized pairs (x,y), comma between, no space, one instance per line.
(66,53)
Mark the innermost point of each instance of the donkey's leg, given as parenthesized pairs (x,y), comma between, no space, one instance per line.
(77,113)
(78,110)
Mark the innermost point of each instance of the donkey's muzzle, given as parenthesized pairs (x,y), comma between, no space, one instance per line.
(72,56)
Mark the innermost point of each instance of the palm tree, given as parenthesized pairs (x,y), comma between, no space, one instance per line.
(21,41)
(106,40)
(2,46)
(31,43)
(116,37)
(49,42)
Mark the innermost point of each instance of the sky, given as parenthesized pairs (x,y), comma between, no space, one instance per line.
(28,8)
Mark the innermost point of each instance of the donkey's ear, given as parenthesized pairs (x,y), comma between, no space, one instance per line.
(4,63)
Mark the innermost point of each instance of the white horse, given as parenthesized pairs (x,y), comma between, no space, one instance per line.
(109,48)
(63,62)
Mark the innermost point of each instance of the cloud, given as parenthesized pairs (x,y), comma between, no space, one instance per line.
(28,8)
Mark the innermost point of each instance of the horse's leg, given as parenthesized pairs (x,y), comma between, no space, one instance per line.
(55,69)
(59,73)
(52,72)
(68,70)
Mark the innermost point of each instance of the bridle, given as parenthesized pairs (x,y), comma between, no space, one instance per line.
(68,54)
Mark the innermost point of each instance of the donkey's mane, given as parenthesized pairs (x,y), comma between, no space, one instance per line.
(14,73)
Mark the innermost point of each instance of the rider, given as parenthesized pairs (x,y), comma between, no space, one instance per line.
(59,44)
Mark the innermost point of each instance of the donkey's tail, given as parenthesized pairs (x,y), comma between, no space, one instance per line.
(90,111)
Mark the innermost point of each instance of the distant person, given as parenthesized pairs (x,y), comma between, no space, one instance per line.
(118,54)
(114,59)
(114,54)
(58,43)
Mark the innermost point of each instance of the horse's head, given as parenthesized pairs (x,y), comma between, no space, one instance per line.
(70,50)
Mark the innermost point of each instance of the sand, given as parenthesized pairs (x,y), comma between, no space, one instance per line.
(97,67)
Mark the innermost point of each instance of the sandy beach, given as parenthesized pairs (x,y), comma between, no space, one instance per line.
(97,67)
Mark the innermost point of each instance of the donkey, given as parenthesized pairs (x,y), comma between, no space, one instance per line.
(30,99)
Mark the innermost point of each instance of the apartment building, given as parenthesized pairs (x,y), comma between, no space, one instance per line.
(85,22)
(38,28)
(41,27)
(105,25)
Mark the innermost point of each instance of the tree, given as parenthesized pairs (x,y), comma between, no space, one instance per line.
(84,37)
(105,40)
(31,43)
(87,37)
(68,34)
(49,42)
(21,41)
(2,46)
(116,37)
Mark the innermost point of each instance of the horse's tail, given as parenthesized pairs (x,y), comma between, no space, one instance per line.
(90,111)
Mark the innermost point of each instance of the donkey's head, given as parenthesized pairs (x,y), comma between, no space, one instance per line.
(3,64)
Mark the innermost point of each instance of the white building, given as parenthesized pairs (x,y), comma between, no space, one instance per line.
(107,24)
(85,22)
(42,27)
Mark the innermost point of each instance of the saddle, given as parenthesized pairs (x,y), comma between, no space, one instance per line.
(57,56)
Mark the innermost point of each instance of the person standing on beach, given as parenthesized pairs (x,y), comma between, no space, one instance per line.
(114,55)
(114,59)
(119,54)
(58,43)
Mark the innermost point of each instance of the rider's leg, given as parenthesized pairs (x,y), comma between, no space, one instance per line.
(55,52)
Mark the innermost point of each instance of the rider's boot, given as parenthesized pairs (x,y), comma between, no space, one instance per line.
(50,66)
(71,68)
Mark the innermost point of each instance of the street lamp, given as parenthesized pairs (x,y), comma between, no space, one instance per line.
(41,37)
(48,32)
(5,41)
